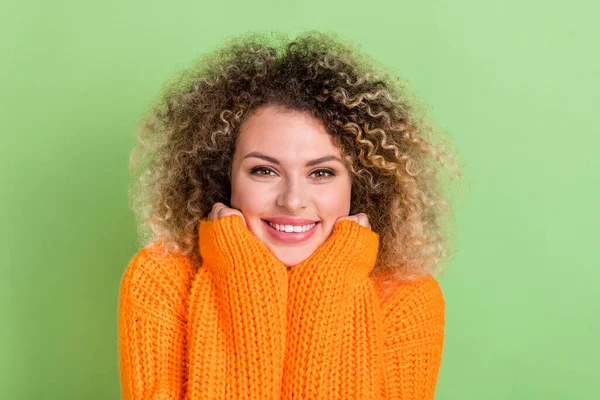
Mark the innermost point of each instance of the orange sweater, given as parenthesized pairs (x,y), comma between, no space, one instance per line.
(244,327)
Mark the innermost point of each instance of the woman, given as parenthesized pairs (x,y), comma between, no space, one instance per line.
(295,219)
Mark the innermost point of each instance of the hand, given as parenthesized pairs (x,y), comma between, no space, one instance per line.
(220,210)
(360,218)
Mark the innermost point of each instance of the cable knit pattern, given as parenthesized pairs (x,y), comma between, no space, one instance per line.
(153,304)
(335,346)
(244,327)
(237,316)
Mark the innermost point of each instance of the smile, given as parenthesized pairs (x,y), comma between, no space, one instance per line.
(290,233)
(292,228)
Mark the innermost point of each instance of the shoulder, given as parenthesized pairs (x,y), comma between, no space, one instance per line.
(420,289)
(154,279)
(416,302)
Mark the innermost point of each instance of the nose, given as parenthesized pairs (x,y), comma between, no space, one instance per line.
(292,195)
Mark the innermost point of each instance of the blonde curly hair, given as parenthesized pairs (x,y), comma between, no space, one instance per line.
(182,162)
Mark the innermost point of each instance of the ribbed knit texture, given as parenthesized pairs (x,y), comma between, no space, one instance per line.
(244,327)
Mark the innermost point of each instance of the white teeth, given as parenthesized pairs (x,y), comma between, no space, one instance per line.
(292,228)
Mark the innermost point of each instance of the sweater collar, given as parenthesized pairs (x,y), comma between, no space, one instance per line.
(351,251)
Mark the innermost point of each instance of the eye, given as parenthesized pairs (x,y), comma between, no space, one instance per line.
(262,171)
(323,173)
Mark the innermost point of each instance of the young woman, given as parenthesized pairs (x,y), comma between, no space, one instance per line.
(293,223)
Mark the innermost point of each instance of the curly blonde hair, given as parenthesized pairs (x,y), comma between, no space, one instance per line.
(186,143)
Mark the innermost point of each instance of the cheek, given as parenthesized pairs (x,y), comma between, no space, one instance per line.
(334,202)
(247,197)
(238,190)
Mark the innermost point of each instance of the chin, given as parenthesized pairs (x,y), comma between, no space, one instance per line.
(290,262)
(291,256)
(288,255)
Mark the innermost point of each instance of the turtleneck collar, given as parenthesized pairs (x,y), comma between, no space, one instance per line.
(352,248)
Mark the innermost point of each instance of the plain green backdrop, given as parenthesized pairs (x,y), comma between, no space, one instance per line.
(515,84)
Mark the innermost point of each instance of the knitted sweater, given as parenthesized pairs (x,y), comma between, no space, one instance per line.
(243,326)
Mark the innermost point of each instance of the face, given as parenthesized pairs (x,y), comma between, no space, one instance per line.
(289,182)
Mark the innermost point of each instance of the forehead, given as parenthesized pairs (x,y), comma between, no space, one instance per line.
(285,134)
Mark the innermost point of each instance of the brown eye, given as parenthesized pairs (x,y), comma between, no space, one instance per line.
(262,171)
(323,173)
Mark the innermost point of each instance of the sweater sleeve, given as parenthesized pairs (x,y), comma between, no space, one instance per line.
(335,343)
(237,316)
(345,341)
(414,336)
(151,327)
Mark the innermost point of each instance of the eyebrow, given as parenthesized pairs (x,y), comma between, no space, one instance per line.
(320,160)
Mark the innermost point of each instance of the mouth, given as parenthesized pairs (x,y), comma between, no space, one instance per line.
(291,228)
(290,233)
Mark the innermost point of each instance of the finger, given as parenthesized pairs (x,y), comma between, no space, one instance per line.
(340,219)
(217,206)
(220,210)
(215,211)
(226,211)
(232,211)
(364,220)
(348,218)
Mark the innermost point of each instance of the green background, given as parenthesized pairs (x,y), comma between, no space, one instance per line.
(514,83)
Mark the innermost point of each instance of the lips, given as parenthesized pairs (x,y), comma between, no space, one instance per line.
(290,237)
(291,221)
